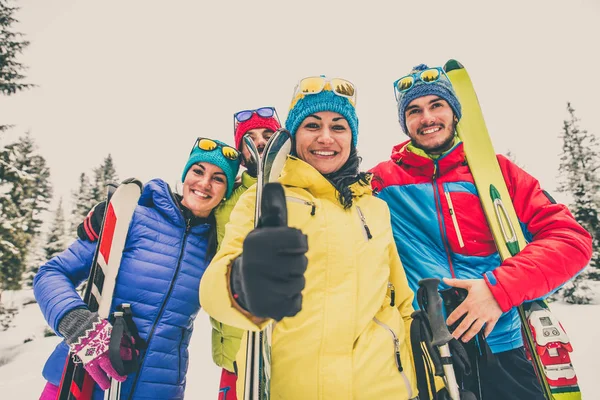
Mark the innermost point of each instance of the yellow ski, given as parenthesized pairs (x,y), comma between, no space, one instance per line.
(558,381)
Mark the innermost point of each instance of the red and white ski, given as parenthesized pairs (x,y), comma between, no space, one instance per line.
(75,383)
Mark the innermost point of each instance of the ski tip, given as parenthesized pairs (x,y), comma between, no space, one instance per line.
(133,180)
(451,65)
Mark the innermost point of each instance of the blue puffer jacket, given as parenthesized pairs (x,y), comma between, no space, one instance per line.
(160,273)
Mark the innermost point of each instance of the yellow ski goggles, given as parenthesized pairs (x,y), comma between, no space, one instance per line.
(316,84)
(210,145)
(430,75)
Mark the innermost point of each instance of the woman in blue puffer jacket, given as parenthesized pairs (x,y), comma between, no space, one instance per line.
(171,240)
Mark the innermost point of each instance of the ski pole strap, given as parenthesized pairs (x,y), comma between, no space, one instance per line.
(423,371)
(426,355)
(460,358)
(140,344)
(124,333)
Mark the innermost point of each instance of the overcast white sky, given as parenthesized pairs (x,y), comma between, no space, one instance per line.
(143,79)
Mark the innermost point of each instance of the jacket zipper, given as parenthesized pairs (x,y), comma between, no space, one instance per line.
(392,294)
(163,305)
(438,206)
(396,354)
(305,202)
(454,220)
(179,352)
(366,229)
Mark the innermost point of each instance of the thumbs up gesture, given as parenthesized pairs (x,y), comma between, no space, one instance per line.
(268,278)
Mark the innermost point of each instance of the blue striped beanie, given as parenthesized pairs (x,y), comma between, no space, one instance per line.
(441,88)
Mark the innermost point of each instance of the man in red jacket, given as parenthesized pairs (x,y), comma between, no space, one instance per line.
(441,231)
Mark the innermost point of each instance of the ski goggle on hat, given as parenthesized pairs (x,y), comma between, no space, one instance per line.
(245,115)
(262,112)
(429,75)
(316,84)
(210,145)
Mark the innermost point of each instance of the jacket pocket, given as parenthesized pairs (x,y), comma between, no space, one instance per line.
(461,243)
(182,356)
(466,225)
(312,205)
(382,364)
(397,356)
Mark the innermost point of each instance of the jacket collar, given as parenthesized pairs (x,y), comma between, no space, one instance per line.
(297,173)
(423,165)
(157,194)
(248,180)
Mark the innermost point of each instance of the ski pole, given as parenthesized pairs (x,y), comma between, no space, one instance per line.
(441,334)
(258,349)
(114,391)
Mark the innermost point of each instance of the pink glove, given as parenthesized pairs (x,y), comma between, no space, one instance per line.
(92,349)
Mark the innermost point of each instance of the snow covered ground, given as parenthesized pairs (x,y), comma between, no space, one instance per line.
(21,363)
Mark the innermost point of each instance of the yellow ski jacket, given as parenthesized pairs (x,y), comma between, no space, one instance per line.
(356,306)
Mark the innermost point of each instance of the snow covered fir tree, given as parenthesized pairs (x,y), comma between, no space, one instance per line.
(28,236)
(579,177)
(89,193)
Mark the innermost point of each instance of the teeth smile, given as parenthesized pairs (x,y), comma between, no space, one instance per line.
(323,153)
(430,130)
(200,194)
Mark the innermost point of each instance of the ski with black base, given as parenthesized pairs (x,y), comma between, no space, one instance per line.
(75,383)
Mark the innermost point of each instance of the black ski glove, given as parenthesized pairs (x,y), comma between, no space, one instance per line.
(268,278)
(89,229)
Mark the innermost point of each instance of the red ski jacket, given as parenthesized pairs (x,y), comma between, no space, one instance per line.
(441,231)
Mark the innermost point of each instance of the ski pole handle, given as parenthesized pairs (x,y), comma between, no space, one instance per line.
(439,329)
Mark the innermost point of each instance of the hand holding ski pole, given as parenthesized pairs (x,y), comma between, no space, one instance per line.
(92,350)
(479,308)
(268,278)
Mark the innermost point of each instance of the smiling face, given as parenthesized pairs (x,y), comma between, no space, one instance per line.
(323,140)
(431,124)
(204,187)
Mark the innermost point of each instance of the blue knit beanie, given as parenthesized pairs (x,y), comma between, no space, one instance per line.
(326,100)
(230,167)
(441,88)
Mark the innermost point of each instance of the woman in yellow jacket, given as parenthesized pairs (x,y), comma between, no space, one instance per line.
(332,279)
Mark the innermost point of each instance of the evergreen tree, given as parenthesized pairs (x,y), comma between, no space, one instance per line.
(83,201)
(35,258)
(103,175)
(579,176)
(57,239)
(25,193)
(11,45)
(15,227)
(34,192)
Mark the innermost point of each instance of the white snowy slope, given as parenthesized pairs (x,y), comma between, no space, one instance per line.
(21,363)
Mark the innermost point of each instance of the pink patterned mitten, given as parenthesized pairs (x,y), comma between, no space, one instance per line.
(92,349)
